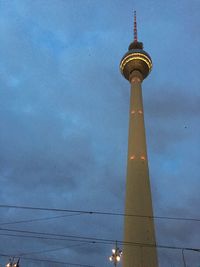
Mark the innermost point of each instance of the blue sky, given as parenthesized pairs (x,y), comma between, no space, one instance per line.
(64,120)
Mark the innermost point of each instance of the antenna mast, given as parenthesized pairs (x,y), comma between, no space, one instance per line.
(135,28)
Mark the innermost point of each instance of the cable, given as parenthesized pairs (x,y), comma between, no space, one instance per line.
(39,219)
(101,213)
(57,239)
(52,261)
(58,235)
(100,240)
(49,250)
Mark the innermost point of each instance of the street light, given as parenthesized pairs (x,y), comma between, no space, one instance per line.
(116,255)
(13,263)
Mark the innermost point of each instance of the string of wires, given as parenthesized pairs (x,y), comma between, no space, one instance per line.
(82,240)
(91,240)
(79,212)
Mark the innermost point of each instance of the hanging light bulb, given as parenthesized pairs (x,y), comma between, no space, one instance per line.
(118,258)
(116,255)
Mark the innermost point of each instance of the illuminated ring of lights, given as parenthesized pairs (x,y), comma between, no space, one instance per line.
(133,57)
(136,56)
(149,64)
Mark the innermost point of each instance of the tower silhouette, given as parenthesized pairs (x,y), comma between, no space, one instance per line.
(139,235)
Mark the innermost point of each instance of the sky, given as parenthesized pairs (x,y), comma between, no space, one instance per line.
(64,124)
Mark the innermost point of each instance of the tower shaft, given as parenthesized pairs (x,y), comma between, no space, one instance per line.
(138,192)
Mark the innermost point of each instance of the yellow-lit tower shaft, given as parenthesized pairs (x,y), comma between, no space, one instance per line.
(139,235)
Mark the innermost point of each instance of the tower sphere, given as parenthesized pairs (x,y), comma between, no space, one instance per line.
(136,59)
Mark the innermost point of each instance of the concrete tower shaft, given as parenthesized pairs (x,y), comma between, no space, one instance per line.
(138,192)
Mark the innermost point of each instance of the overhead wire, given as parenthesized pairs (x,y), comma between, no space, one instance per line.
(49,250)
(41,237)
(95,240)
(62,236)
(100,213)
(39,219)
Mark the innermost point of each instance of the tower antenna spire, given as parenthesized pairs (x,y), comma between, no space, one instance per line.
(135,27)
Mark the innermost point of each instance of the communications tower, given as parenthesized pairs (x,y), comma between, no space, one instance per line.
(139,235)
